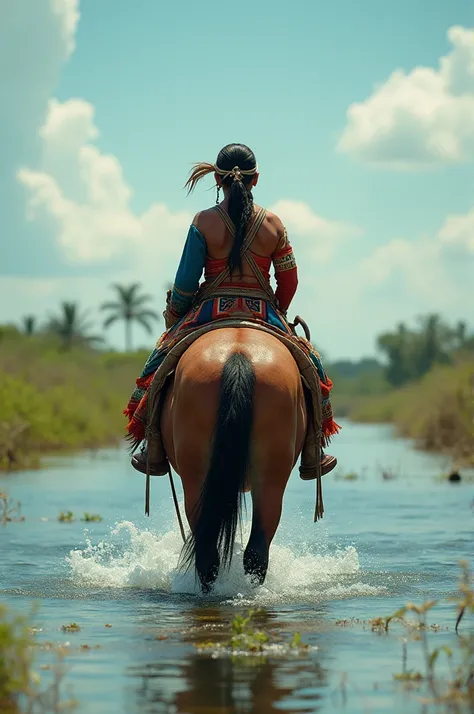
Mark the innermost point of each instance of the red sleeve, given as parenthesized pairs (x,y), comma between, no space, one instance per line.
(286,273)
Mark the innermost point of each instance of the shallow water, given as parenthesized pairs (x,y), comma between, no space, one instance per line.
(381,543)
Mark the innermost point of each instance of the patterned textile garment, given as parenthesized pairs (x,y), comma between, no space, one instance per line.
(186,311)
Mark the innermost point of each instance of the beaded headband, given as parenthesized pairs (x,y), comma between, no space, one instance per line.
(202,169)
(236,172)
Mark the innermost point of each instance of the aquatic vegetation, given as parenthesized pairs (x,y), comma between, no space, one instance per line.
(459,689)
(72,627)
(21,690)
(297,643)
(91,518)
(247,639)
(16,659)
(66,517)
(351,476)
(9,510)
(244,636)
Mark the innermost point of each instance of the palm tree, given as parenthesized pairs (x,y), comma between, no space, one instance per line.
(71,327)
(129,307)
(461,334)
(29,324)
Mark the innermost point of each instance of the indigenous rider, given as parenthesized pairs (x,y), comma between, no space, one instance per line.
(234,243)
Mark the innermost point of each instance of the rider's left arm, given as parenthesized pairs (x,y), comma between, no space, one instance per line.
(286,273)
(186,282)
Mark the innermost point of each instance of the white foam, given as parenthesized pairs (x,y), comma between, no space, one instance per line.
(137,558)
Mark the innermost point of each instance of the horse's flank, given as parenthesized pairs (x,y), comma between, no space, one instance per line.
(235,418)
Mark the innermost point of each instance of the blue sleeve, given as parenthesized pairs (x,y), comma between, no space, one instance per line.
(189,272)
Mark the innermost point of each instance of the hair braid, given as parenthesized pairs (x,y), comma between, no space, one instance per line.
(240,210)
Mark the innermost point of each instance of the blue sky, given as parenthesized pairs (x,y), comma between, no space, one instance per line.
(369,198)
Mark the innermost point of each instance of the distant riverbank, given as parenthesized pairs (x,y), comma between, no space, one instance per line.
(437,412)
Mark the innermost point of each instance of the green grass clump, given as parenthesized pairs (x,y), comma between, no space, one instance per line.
(16,658)
(91,518)
(248,639)
(55,400)
(21,688)
(66,517)
(456,691)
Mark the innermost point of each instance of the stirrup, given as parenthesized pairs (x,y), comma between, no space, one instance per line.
(328,463)
(139,463)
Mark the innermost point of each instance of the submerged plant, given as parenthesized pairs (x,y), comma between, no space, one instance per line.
(351,476)
(459,689)
(72,627)
(244,636)
(9,510)
(246,639)
(91,518)
(66,517)
(21,689)
(15,659)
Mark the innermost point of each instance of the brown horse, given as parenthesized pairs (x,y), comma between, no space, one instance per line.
(234,420)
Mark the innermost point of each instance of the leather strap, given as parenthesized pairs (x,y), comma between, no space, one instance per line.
(251,233)
(256,225)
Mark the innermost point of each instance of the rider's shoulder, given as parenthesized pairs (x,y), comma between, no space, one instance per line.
(275,222)
(204,219)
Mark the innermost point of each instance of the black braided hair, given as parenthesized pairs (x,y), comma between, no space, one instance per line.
(240,207)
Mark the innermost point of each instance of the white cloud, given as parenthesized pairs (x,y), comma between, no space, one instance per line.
(421,118)
(320,235)
(458,232)
(101,224)
(435,272)
(67,12)
(36,38)
(68,125)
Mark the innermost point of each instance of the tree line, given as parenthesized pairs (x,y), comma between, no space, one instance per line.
(73,327)
(408,353)
(411,353)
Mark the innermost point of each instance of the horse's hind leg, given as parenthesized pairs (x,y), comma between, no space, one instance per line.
(265,519)
(207,561)
(256,552)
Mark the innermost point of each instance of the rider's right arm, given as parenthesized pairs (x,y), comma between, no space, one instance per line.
(187,278)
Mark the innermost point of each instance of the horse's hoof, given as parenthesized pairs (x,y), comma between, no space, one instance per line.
(256,566)
(207,577)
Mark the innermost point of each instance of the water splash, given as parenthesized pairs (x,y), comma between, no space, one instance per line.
(137,558)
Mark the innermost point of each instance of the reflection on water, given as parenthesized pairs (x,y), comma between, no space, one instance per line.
(222,686)
(228,684)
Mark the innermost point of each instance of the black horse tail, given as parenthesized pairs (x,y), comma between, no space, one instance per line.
(219,507)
